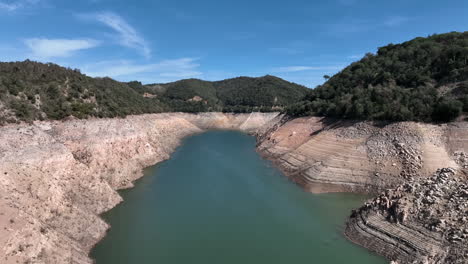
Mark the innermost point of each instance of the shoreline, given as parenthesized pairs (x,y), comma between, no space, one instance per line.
(92,159)
(69,173)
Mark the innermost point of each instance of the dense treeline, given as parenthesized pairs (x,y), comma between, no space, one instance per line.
(36,91)
(239,95)
(425,79)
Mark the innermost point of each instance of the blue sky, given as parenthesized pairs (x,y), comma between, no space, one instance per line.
(162,41)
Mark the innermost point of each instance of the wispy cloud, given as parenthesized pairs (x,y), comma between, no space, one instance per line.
(306,68)
(127,35)
(43,48)
(163,71)
(395,21)
(9,6)
(15,5)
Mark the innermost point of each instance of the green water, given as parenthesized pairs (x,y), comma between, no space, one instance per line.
(216,201)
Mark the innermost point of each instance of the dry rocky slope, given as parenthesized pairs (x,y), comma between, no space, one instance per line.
(423,219)
(57,177)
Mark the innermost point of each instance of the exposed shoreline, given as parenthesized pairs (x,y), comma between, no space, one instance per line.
(60,176)
(361,157)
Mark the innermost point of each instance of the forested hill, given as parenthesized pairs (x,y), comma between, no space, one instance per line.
(425,79)
(36,91)
(242,94)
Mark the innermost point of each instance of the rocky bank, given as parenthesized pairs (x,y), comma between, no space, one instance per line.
(422,218)
(57,177)
(421,221)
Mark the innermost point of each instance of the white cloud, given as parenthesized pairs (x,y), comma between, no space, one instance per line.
(44,48)
(164,71)
(15,5)
(9,7)
(306,68)
(127,35)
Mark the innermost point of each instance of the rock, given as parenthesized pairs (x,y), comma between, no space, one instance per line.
(56,178)
(435,204)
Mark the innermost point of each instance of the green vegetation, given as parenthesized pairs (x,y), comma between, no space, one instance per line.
(35,91)
(242,94)
(425,79)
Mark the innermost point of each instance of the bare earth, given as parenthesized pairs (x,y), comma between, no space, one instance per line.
(57,177)
(423,218)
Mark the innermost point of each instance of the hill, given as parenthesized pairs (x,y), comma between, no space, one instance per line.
(242,94)
(36,91)
(425,79)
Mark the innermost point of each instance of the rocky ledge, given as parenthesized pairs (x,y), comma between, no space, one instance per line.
(422,221)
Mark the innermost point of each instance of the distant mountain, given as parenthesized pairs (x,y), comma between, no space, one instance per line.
(425,79)
(36,91)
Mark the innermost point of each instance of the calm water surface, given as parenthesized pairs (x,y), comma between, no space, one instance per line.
(216,201)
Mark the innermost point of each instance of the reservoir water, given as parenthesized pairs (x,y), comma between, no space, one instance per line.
(216,201)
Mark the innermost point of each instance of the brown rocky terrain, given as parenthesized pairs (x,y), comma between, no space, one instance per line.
(332,155)
(421,221)
(423,218)
(57,177)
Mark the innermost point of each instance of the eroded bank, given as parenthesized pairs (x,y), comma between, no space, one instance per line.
(57,177)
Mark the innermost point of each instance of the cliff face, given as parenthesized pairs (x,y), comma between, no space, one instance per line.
(423,219)
(57,177)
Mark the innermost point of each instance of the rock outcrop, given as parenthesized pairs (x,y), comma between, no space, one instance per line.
(327,155)
(424,219)
(421,221)
(57,177)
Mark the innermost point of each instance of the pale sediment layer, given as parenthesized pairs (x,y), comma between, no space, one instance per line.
(422,221)
(57,177)
(325,155)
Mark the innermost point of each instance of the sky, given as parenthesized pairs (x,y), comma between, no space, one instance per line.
(166,40)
